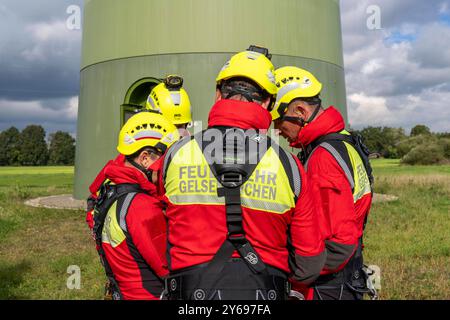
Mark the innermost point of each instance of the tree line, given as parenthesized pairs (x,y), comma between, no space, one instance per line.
(421,146)
(30,148)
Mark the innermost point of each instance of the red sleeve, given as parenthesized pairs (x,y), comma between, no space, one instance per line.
(147,226)
(337,215)
(305,227)
(308,256)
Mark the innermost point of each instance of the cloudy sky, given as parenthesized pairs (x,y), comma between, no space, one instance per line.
(397,64)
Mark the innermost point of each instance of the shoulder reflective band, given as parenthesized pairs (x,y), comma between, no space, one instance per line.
(124,210)
(341,162)
(354,170)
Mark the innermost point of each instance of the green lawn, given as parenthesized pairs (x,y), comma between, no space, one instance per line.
(408,239)
(38,245)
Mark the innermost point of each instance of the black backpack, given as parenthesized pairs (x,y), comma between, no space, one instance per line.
(354,139)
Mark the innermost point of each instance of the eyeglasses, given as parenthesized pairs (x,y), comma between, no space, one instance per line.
(153,153)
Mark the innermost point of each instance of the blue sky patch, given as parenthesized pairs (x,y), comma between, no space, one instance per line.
(397,37)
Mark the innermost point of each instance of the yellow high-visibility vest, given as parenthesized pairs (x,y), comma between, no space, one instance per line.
(273,186)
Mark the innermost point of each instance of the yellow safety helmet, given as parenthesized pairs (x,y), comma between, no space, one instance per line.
(146,129)
(293,83)
(253,64)
(171,100)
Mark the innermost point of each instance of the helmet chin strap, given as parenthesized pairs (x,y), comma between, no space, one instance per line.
(314,114)
(296,120)
(299,120)
(148,173)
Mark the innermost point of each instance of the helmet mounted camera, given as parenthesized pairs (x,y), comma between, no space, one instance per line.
(173,82)
(261,50)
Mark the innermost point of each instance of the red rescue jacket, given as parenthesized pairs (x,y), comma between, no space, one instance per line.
(341,219)
(139,261)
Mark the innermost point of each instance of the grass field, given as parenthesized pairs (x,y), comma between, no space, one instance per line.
(408,239)
(37,245)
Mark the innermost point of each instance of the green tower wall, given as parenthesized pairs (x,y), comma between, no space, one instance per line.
(124,41)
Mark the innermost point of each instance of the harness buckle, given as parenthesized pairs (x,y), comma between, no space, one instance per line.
(231,179)
(236,238)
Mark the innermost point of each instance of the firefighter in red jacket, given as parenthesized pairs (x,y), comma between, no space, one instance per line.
(128,220)
(240,211)
(338,174)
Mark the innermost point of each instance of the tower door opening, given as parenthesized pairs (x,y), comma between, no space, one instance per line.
(136,97)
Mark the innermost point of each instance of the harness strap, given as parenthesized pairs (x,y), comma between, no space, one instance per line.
(109,193)
(236,234)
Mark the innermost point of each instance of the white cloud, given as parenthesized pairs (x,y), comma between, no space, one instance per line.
(400,75)
(432,48)
(371,66)
(22,113)
(39,55)
(366,110)
(45,31)
(50,40)
(73,108)
(400,111)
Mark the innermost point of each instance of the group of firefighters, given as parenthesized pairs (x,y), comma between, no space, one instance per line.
(227,214)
